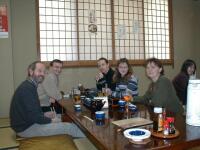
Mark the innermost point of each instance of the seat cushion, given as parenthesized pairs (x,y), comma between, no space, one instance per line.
(56,142)
(7,136)
(84,144)
(4,122)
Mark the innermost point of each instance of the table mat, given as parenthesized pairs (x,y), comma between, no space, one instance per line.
(132,122)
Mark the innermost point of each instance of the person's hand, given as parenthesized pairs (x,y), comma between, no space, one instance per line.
(99,76)
(56,120)
(50,114)
(108,91)
(52,100)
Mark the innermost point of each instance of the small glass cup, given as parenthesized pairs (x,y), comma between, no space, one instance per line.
(100,118)
(100,94)
(77,108)
(77,99)
(121,103)
(127,97)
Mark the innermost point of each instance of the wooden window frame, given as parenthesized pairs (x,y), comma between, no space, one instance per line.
(92,63)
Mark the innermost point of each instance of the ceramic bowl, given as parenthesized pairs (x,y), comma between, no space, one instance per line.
(137,134)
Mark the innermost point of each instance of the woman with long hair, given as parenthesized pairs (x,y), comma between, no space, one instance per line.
(124,77)
(180,81)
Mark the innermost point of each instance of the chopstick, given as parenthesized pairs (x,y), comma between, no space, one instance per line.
(53,110)
(88,118)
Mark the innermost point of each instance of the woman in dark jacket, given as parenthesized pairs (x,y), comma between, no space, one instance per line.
(180,82)
(161,92)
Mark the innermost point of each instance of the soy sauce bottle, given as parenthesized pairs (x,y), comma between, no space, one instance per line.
(171,125)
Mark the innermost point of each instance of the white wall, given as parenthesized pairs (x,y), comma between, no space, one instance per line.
(6,67)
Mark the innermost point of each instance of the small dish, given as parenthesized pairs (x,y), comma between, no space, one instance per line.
(121,103)
(137,134)
(132,107)
(161,135)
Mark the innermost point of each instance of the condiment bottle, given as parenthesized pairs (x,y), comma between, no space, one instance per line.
(171,125)
(105,90)
(157,119)
(166,128)
(164,114)
(160,122)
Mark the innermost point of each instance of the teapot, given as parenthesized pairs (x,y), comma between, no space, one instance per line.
(97,104)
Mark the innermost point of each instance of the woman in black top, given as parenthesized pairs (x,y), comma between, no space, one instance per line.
(180,81)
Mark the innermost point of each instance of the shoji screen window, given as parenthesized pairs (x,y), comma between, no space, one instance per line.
(156,29)
(95,30)
(58,30)
(79,32)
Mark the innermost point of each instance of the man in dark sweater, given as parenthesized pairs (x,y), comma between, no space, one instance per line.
(27,118)
(105,75)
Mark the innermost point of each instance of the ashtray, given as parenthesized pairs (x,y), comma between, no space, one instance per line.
(136,134)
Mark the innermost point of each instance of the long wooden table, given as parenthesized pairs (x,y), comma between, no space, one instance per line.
(110,137)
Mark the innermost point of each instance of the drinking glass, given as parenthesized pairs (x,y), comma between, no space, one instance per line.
(128,98)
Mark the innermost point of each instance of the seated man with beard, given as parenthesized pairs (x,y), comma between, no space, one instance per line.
(26,116)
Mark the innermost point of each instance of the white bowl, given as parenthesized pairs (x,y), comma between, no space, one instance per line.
(137,134)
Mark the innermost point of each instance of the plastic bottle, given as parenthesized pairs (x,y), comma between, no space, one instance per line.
(164,115)
(160,122)
(171,125)
(166,128)
(157,119)
(105,92)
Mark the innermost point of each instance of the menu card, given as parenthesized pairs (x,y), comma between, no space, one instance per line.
(132,122)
